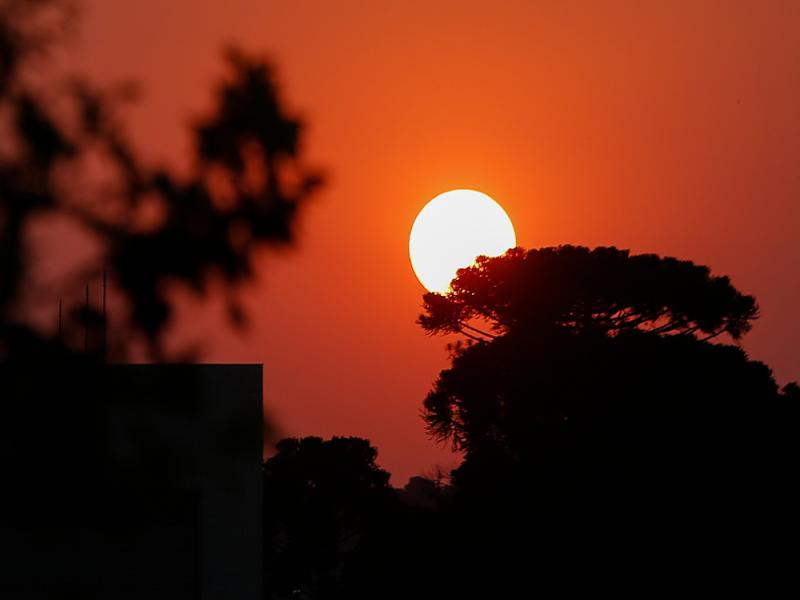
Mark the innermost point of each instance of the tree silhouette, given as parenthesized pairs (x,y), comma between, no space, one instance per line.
(335,529)
(576,289)
(606,434)
(609,447)
(322,497)
(155,228)
(532,304)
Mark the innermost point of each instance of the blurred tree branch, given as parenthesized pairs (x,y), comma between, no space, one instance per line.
(247,183)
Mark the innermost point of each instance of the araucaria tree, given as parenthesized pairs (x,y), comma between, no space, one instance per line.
(609,424)
(544,302)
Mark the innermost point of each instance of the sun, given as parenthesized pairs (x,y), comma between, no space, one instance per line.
(452,230)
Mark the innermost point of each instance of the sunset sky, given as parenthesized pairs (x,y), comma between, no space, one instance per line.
(666,127)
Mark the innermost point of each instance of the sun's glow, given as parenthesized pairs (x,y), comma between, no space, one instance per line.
(452,230)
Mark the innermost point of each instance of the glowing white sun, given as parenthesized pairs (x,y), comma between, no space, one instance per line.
(452,230)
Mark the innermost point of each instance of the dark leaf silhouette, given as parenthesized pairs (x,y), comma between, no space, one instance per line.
(604,290)
(244,192)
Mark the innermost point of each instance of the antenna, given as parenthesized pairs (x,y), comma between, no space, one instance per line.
(105,321)
(86,324)
(60,326)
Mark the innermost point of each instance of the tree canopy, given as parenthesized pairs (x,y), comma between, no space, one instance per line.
(604,430)
(559,334)
(321,498)
(605,290)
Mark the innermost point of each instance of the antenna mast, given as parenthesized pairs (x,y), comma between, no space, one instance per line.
(105,321)
(86,324)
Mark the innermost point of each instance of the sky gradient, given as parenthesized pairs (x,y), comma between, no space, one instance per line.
(669,127)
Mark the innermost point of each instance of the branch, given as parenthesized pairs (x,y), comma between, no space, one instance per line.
(480,331)
(711,336)
(470,336)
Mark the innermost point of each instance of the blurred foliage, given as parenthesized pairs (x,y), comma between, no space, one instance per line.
(155,228)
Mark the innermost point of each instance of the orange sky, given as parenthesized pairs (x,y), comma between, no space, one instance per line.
(668,127)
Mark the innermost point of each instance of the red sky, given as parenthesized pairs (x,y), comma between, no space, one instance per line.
(668,127)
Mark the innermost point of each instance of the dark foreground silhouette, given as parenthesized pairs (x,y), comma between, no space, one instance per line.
(609,448)
(130,481)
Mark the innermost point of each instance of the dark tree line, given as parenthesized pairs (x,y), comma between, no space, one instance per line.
(613,443)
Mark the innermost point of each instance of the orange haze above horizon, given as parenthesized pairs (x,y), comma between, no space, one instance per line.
(660,127)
